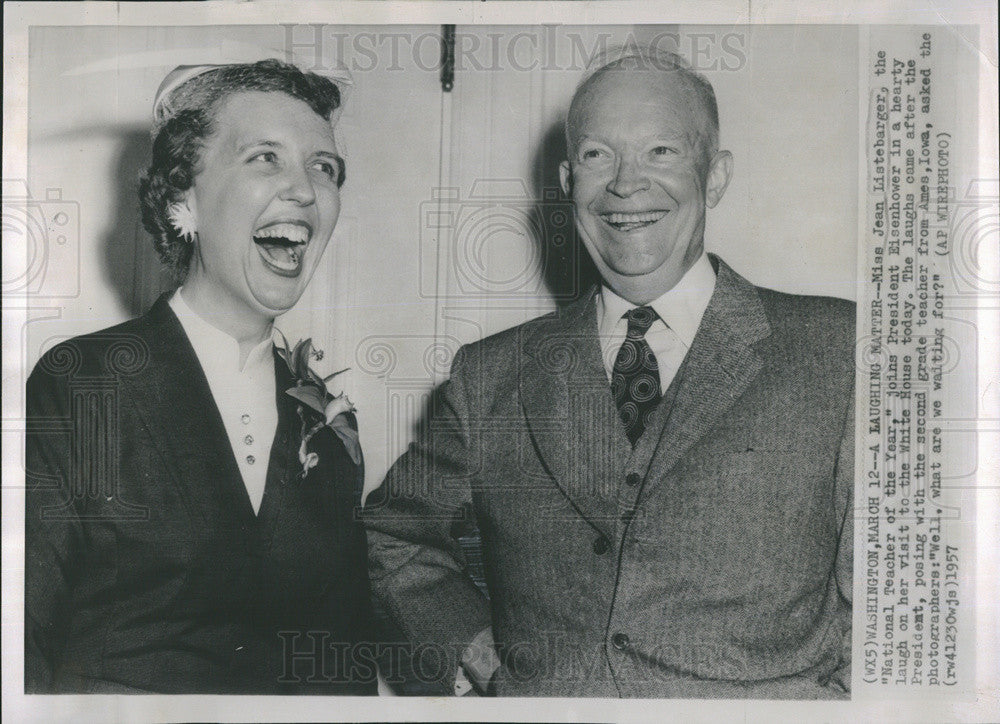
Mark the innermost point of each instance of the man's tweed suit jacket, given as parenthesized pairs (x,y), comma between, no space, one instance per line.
(713,560)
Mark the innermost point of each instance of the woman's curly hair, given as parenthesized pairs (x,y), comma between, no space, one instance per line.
(179,141)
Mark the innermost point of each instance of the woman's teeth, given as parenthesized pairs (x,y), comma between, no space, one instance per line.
(293,233)
(282,246)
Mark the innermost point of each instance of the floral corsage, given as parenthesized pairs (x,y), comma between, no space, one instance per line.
(318,408)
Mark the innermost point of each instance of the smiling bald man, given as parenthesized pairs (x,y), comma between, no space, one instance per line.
(662,472)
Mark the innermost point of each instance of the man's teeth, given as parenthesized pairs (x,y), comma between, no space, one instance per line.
(630,221)
(646,217)
(295,233)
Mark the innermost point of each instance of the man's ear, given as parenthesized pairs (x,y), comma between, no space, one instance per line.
(720,170)
(566,178)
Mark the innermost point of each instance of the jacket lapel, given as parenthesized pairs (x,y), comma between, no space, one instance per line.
(306,512)
(718,368)
(282,465)
(174,399)
(570,412)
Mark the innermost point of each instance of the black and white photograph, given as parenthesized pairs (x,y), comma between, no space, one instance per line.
(499,361)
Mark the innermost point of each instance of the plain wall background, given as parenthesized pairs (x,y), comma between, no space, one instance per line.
(408,277)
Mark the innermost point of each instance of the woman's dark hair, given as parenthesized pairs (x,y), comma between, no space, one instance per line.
(178,142)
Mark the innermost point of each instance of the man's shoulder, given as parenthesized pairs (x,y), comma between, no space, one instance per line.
(513,340)
(809,317)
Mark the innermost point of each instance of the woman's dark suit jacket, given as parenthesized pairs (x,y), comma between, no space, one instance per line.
(146,568)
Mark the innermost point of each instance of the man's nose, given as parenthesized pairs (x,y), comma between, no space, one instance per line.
(628,179)
(298,187)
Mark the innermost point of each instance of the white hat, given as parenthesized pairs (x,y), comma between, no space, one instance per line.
(238,53)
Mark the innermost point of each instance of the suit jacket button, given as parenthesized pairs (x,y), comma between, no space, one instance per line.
(633,479)
(619,641)
(601,545)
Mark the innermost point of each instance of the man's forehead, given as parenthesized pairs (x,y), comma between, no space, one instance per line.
(670,87)
(663,97)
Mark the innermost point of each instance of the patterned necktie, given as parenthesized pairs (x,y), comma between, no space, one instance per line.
(635,379)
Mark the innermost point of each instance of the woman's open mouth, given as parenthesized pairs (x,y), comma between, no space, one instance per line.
(632,220)
(282,246)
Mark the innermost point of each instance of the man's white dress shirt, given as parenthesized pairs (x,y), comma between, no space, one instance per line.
(244,395)
(670,336)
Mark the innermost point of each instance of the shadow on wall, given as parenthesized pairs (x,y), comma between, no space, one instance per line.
(567,268)
(131,265)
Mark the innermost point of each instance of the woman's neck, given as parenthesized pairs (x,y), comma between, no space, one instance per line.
(248,327)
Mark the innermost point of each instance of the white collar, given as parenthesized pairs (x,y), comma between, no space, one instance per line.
(216,349)
(681,308)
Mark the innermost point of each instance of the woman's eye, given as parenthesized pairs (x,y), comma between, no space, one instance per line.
(265,157)
(328,168)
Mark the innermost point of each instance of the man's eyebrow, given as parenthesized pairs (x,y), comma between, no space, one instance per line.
(580,140)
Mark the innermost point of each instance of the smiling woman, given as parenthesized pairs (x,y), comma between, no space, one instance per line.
(265,201)
(246,157)
(192,529)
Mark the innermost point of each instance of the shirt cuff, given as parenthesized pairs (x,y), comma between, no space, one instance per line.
(479,663)
(462,684)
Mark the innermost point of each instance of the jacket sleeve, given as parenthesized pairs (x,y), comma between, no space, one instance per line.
(52,529)
(413,519)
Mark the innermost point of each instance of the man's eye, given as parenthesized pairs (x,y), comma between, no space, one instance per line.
(663,151)
(592,154)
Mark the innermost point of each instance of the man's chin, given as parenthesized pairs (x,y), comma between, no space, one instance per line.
(635,267)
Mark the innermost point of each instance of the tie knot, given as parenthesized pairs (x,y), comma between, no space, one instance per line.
(639,321)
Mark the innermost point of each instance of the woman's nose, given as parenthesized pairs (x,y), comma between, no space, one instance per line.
(628,179)
(298,187)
